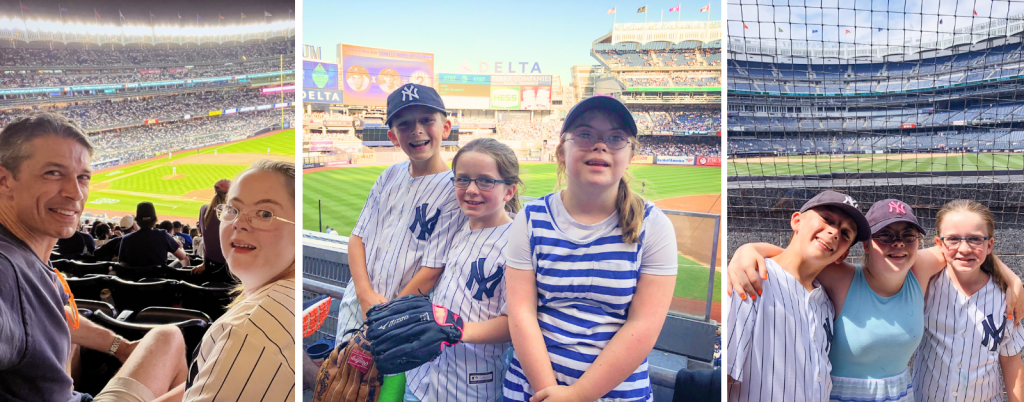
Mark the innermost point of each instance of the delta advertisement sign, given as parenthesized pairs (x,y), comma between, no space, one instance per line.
(369,75)
(320,82)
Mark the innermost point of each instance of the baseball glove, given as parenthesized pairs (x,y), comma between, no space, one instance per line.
(357,380)
(409,331)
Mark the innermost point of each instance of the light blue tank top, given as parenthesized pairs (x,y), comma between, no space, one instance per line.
(875,336)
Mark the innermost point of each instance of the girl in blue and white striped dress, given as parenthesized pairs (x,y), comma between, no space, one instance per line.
(591,271)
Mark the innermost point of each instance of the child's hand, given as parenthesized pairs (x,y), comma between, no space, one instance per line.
(746,270)
(370,299)
(557,393)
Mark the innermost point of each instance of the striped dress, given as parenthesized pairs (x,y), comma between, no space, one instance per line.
(584,290)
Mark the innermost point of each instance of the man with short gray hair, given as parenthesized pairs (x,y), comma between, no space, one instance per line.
(44,185)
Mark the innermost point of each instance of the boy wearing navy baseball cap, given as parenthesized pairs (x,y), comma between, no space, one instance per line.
(406,226)
(791,320)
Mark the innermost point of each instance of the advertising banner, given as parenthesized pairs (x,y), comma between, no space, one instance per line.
(337,123)
(520,80)
(464,91)
(150,71)
(312,165)
(321,145)
(504,97)
(369,75)
(911,125)
(709,161)
(535,98)
(313,95)
(675,160)
(151,121)
(352,147)
(642,159)
(337,163)
(318,74)
(177,70)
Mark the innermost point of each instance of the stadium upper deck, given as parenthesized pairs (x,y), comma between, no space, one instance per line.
(966,82)
(661,62)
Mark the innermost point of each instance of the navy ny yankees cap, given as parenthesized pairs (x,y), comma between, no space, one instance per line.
(412,95)
(603,102)
(887,212)
(847,204)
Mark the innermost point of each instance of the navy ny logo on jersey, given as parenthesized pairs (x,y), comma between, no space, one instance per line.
(828,336)
(485,284)
(991,331)
(426,225)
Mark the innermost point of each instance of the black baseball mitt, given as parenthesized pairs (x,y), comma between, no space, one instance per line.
(409,331)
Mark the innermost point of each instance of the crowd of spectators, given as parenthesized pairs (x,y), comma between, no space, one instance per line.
(680,146)
(537,130)
(141,142)
(106,113)
(330,136)
(144,55)
(62,78)
(696,57)
(677,118)
(678,79)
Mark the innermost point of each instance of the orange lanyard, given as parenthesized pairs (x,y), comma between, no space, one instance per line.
(73,317)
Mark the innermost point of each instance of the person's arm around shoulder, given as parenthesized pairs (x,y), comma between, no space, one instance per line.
(1010,361)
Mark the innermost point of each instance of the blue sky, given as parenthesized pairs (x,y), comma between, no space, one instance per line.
(555,34)
(899,19)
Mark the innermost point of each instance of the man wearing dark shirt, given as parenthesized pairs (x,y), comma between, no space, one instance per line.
(80,243)
(44,185)
(148,246)
(108,251)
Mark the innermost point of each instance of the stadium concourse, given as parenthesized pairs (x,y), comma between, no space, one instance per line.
(926,118)
(147,102)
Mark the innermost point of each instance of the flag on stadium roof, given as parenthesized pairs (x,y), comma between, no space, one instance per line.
(814,31)
(266,14)
(611,11)
(674,9)
(97,14)
(847,31)
(940,20)
(220,16)
(179,16)
(780,29)
(706,8)
(641,10)
(119,13)
(62,9)
(975,12)
(243,15)
(24,7)
(745,26)
(879,29)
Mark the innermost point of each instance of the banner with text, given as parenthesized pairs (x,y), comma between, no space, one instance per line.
(709,161)
(675,160)
(464,91)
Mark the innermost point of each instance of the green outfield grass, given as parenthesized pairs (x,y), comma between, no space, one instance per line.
(342,192)
(814,164)
(692,281)
(121,188)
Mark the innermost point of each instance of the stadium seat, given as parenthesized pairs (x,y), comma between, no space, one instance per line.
(212,300)
(89,287)
(137,273)
(135,296)
(80,269)
(87,307)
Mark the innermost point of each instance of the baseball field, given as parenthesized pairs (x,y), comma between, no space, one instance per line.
(335,197)
(821,164)
(178,186)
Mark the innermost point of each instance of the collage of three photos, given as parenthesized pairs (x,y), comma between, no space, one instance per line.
(521,213)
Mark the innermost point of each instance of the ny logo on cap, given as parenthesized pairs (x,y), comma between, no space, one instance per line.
(410,92)
(897,207)
(850,201)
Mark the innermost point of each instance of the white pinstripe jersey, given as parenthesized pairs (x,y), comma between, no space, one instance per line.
(248,354)
(407,223)
(472,286)
(779,343)
(958,359)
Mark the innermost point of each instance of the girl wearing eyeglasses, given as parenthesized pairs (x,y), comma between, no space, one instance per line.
(966,334)
(472,284)
(249,353)
(591,270)
(880,309)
